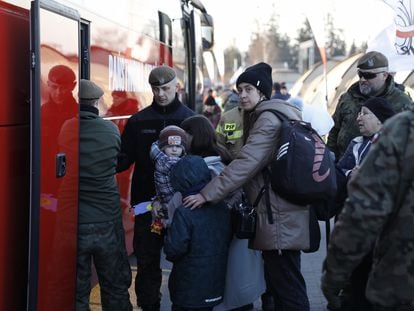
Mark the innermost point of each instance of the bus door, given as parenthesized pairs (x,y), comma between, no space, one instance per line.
(54,138)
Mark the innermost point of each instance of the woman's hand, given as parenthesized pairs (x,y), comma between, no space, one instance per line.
(194,201)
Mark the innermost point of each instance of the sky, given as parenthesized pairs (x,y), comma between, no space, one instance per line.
(235,20)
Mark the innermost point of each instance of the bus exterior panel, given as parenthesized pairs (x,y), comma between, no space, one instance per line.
(14,160)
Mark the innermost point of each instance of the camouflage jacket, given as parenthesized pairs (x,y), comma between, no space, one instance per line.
(379,215)
(229,131)
(346,112)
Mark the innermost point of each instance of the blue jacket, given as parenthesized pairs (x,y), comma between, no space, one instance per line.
(355,153)
(197,243)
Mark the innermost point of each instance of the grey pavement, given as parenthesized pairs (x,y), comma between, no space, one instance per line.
(311,269)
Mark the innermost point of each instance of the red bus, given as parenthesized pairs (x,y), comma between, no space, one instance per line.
(45,46)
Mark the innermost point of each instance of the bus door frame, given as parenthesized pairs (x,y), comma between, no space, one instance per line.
(33,288)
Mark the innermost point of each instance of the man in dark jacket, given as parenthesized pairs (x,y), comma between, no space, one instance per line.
(100,229)
(142,129)
(374,81)
(197,243)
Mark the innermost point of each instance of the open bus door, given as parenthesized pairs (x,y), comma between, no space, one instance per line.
(55,50)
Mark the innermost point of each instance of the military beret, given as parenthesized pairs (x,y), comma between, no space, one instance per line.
(161,75)
(89,90)
(61,74)
(373,61)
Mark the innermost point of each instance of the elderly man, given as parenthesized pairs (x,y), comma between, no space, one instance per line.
(141,130)
(374,81)
(100,229)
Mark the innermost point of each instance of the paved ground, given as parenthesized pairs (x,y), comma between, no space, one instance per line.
(311,268)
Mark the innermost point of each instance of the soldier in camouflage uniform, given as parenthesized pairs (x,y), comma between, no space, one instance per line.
(100,230)
(378,216)
(375,81)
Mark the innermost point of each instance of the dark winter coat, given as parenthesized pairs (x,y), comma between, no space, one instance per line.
(142,129)
(197,242)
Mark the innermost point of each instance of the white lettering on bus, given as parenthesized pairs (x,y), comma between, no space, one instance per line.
(128,75)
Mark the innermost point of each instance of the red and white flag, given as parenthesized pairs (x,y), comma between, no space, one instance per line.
(397,40)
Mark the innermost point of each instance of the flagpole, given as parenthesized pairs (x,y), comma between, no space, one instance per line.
(324,58)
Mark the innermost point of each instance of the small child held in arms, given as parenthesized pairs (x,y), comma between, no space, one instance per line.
(196,242)
(165,153)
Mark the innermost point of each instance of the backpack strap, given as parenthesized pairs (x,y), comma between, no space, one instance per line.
(264,190)
(278,114)
(267,197)
(266,173)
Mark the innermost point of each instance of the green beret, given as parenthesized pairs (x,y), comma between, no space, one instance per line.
(373,61)
(161,75)
(89,90)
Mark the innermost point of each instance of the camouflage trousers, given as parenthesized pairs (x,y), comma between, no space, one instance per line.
(104,243)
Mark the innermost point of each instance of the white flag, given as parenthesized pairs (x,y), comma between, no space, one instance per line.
(397,40)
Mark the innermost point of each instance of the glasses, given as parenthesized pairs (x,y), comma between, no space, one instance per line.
(368,75)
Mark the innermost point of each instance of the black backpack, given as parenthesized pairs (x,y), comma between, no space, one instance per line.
(303,170)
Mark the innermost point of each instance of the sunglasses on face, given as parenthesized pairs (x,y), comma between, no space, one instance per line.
(367,75)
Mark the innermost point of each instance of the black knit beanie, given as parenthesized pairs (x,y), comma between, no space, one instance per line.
(260,76)
(380,107)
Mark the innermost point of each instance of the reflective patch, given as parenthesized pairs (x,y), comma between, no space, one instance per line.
(229,127)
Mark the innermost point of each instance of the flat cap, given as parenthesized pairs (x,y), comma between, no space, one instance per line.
(89,90)
(61,74)
(161,75)
(373,61)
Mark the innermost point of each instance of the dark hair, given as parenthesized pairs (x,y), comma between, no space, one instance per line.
(204,140)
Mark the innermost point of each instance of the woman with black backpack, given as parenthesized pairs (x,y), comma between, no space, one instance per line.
(282,229)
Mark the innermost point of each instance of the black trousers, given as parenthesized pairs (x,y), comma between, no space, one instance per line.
(285,280)
(147,249)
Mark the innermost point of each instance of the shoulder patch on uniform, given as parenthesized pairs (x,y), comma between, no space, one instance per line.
(229,127)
